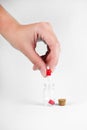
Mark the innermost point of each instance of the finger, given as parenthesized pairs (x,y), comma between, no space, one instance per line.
(53,55)
(43,57)
(35,67)
(53,58)
(49,37)
(36,60)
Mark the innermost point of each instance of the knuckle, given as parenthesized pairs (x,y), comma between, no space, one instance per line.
(48,23)
(45,25)
(58,46)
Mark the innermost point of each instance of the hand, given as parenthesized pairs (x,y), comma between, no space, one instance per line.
(25,37)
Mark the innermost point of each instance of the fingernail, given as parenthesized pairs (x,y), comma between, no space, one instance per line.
(53,68)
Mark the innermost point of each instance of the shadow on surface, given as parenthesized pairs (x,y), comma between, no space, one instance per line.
(31,102)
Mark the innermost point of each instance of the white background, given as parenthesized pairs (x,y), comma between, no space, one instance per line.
(21,88)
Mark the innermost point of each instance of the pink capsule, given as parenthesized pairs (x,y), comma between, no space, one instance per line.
(51,102)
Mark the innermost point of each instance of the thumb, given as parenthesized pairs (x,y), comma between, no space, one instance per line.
(37,61)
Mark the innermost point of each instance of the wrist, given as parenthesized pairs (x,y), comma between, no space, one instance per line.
(8,24)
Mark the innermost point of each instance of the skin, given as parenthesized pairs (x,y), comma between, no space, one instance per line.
(25,37)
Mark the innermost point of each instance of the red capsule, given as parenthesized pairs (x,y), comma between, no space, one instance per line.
(51,102)
(48,72)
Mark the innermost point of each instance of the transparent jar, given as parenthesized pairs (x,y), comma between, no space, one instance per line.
(49,89)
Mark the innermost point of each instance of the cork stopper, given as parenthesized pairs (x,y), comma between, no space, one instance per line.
(62,102)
